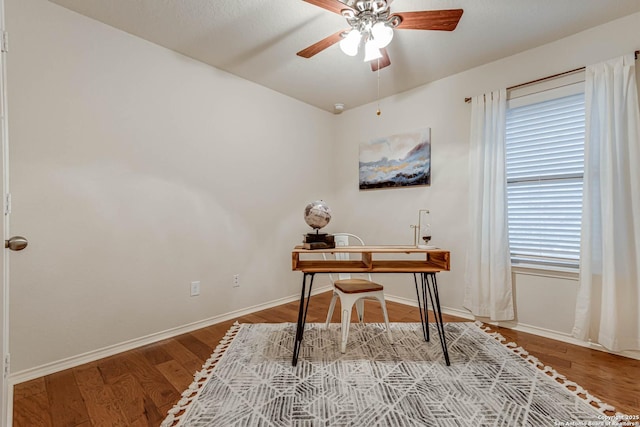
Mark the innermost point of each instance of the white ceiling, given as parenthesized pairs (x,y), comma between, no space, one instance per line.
(258,39)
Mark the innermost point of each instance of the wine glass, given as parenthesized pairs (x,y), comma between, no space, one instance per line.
(425,234)
(425,229)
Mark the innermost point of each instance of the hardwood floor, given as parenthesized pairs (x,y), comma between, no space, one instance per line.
(138,387)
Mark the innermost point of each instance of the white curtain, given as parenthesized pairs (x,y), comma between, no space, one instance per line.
(488,288)
(608,304)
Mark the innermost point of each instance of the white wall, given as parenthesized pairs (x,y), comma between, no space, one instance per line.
(382,216)
(134,171)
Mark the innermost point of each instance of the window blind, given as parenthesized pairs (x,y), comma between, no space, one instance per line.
(545,167)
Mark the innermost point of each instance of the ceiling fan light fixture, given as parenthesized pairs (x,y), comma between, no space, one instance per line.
(349,44)
(371,51)
(382,34)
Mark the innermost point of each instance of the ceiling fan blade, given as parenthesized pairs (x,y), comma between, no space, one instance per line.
(442,20)
(334,6)
(321,45)
(378,64)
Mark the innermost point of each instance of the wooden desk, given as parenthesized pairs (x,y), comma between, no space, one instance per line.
(435,260)
(376,259)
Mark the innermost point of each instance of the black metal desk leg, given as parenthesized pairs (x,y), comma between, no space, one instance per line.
(422,305)
(302,316)
(432,288)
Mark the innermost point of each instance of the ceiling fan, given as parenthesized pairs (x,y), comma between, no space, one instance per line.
(372,23)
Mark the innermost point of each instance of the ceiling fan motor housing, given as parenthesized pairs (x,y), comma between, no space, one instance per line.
(368,14)
(373,6)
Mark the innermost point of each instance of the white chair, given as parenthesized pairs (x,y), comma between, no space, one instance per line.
(353,291)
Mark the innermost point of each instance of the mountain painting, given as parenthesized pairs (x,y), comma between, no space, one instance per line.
(396,161)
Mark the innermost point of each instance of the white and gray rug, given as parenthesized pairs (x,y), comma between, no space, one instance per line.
(249,381)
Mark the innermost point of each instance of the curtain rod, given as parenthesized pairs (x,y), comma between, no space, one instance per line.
(467,100)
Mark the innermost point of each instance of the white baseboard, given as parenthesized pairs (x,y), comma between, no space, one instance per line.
(91,356)
(523,327)
(71,362)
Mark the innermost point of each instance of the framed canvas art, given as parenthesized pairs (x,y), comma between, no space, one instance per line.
(400,160)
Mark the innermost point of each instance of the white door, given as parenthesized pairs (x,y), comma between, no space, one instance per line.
(5,393)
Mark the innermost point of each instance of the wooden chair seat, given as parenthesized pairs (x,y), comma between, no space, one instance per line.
(356,286)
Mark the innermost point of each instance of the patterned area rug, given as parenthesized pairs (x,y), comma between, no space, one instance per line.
(249,381)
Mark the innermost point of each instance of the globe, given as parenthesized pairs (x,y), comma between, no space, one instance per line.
(317,214)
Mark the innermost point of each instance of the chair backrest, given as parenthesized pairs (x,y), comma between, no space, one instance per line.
(344,239)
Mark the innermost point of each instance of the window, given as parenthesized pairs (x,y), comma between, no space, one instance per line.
(545,166)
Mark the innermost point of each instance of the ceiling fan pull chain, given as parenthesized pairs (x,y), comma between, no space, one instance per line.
(378,111)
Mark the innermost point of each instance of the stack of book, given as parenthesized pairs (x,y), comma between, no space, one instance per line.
(318,241)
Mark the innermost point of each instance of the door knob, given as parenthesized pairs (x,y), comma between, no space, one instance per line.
(16,243)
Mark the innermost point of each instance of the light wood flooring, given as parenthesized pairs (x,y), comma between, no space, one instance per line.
(138,387)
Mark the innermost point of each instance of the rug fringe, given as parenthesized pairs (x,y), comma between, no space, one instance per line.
(571,386)
(175,414)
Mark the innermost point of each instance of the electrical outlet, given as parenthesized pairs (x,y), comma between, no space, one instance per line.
(236,280)
(195,288)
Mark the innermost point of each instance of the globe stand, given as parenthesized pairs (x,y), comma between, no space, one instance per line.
(318,241)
